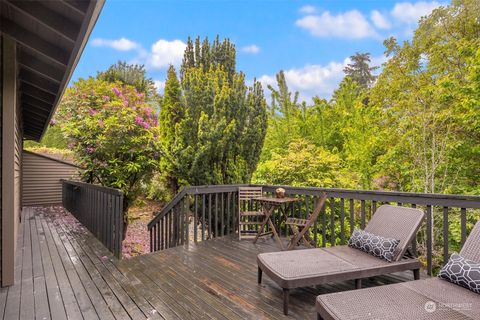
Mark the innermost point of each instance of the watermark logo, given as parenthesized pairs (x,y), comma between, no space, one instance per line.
(430,306)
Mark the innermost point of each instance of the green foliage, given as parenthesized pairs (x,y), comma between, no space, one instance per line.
(53,138)
(171,113)
(63,154)
(112,132)
(206,56)
(360,71)
(303,164)
(416,128)
(423,93)
(344,127)
(212,125)
(130,74)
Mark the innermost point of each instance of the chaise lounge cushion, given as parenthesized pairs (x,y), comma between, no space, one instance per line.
(424,299)
(301,268)
(463,272)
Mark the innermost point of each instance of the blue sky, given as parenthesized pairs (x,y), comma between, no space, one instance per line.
(310,40)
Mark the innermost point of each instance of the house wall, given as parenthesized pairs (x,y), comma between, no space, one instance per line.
(1,112)
(41,179)
(12,141)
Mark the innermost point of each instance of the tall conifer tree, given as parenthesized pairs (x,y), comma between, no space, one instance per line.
(219,134)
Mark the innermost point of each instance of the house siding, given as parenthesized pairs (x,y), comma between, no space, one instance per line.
(41,179)
(12,138)
(1,151)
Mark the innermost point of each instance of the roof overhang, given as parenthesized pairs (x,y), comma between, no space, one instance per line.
(50,37)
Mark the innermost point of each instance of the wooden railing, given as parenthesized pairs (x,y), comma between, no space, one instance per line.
(195,213)
(205,212)
(99,209)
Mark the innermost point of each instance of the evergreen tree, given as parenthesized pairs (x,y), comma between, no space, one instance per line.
(171,113)
(360,71)
(205,56)
(282,98)
(214,124)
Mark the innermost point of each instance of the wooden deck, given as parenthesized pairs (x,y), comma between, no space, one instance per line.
(63,271)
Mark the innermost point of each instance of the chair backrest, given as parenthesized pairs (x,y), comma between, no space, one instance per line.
(249,193)
(318,208)
(471,247)
(246,194)
(396,222)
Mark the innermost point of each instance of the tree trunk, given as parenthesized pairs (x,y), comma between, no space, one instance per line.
(173,184)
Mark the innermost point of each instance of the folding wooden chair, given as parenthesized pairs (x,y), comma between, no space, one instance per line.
(300,227)
(248,218)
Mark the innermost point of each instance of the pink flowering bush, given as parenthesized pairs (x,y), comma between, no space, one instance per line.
(113,133)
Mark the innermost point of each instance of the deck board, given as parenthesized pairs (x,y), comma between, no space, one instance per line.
(63,271)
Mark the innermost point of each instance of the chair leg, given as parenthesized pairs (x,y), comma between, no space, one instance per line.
(416,274)
(286,295)
(319,317)
(358,283)
(259,276)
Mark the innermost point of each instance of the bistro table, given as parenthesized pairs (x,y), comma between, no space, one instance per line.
(269,204)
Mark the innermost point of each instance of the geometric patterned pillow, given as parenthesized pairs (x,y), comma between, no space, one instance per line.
(375,245)
(463,272)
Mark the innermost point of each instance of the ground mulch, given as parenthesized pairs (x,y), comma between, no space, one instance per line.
(137,240)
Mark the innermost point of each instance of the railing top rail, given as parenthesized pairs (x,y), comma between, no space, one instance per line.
(206,189)
(214,188)
(444,200)
(375,192)
(94,186)
(434,199)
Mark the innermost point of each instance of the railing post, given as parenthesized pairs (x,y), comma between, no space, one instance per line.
(429,239)
(195,219)
(332,221)
(324,224)
(414,241)
(182,220)
(463,225)
(352,216)
(228,213)
(342,221)
(445,235)
(362,213)
(187,218)
(210,225)
(203,217)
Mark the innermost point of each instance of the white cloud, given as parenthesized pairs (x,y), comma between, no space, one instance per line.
(122,44)
(164,52)
(311,80)
(308,9)
(316,80)
(379,20)
(378,62)
(350,25)
(253,49)
(159,85)
(407,12)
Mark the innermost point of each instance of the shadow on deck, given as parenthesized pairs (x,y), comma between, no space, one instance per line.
(63,271)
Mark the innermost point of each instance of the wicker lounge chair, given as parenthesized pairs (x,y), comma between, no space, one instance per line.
(425,299)
(302,268)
